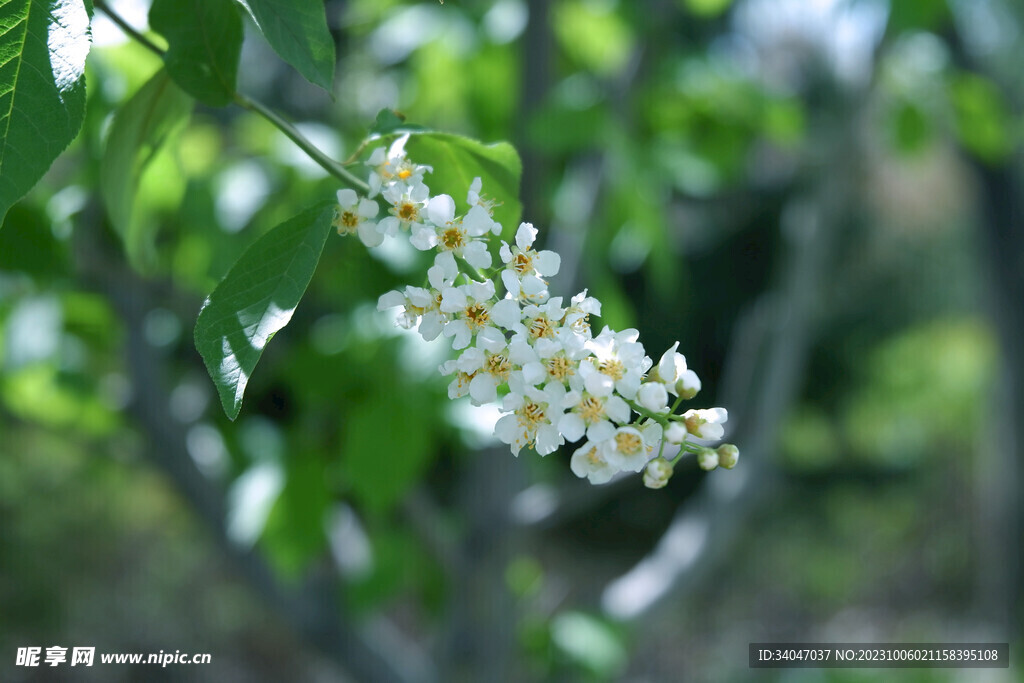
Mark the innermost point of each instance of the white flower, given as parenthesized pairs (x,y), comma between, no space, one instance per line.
(531,418)
(459,237)
(706,423)
(459,386)
(526,267)
(544,321)
(592,415)
(619,363)
(653,396)
(589,461)
(469,310)
(354,215)
(657,473)
(393,167)
(408,205)
(420,304)
(474,198)
(487,365)
(577,316)
(672,370)
(707,458)
(626,450)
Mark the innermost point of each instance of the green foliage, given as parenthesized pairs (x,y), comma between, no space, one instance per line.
(297,30)
(140,127)
(982,118)
(204,40)
(387,443)
(257,298)
(43,46)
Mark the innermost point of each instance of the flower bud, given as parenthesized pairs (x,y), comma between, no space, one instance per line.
(675,433)
(653,397)
(687,385)
(707,458)
(728,455)
(657,473)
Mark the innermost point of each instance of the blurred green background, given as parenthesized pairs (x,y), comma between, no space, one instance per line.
(822,202)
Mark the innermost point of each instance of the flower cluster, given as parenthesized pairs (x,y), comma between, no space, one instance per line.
(534,354)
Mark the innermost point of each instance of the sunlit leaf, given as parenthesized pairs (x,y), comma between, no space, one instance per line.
(458,160)
(204,40)
(257,298)
(297,30)
(139,129)
(43,46)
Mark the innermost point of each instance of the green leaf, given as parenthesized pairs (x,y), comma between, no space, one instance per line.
(390,121)
(204,39)
(140,127)
(43,46)
(257,298)
(458,160)
(297,30)
(387,445)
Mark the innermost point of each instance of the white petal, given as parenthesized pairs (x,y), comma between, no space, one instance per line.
(347,198)
(368,208)
(483,388)
(598,384)
(476,255)
(477,222)
(547,262)
(505,253)
(653,396)
(431,326)
(368,234)
(491,339)
(572,427)
(471,360)
(441,209)
(511,282)
(525,235)
(534,373)
(667,365)
(548,439)
(390,300)
(506,314)
(601,431)
(617,409)
(453,299)
(449,270)
(423,238)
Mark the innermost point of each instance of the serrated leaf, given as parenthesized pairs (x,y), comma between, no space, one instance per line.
(256,299)
(204,43)
(43,46)
(457,160)
(297,30)
(140,127)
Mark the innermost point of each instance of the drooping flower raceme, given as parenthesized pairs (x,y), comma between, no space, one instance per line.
(534,355)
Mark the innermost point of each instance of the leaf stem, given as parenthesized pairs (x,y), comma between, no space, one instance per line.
(293,134)
(328,164)
(128,28)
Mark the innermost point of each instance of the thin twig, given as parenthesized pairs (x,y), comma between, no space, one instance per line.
(249,104)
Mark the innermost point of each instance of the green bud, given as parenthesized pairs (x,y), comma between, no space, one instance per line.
(707,458)
(728,455)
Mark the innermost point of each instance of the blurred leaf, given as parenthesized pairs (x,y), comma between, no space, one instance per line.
(920,15)
(204,45)
(28,244)
(387,445)
(140,127)
(294,532)
(707,8)
(43,46)
(982,117)
(594,35)
(297,30)
(590,642)
(910,128)
(457,160)
(257,298)
(560,129)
